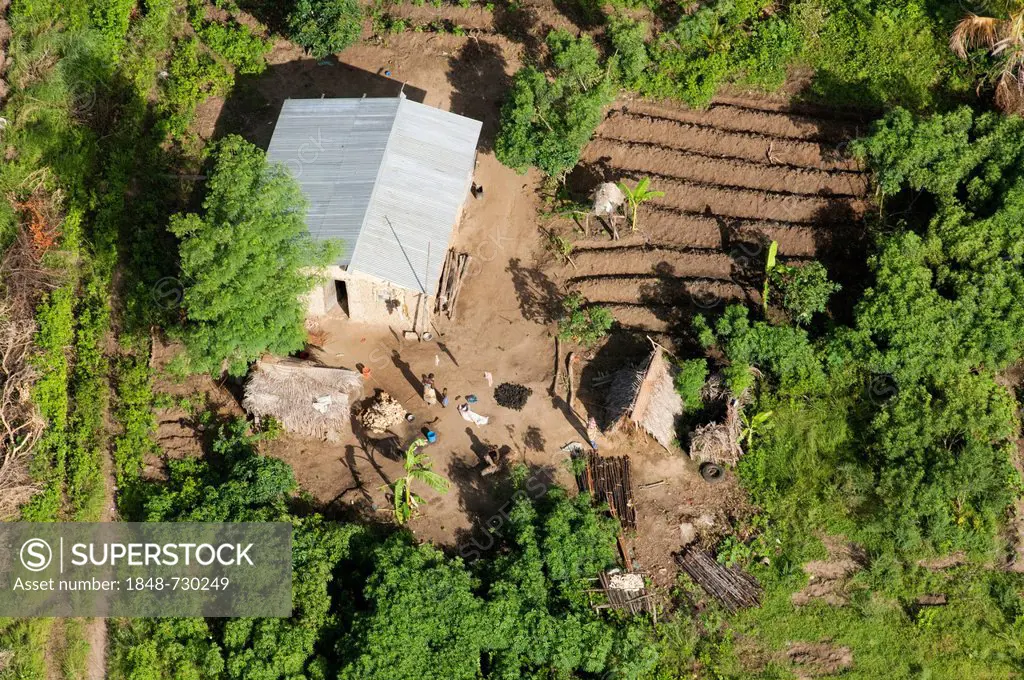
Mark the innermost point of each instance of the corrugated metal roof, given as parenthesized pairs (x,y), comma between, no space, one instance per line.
(387,176)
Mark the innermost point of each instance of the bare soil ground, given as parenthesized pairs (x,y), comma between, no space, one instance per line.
(828,578)
(505,319)
(816,659)
(735,177)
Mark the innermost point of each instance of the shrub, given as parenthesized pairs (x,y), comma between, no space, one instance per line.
(324,27)
(629,59)
(545,122)
(690,380)
(721,41)
(234,41)
(192,76)
(587,325)
(805,289)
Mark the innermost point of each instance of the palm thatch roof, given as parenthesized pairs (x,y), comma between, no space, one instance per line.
(309,400)
(647,397)
(719,442)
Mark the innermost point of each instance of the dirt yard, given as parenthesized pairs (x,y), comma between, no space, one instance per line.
(736,176)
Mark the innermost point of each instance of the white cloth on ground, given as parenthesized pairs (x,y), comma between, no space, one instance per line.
(472,416)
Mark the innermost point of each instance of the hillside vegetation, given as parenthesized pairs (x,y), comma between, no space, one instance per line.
(882,418)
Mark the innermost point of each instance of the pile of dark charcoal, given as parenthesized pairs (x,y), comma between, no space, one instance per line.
(511,395)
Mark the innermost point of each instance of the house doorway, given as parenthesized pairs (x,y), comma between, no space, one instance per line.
(341,297)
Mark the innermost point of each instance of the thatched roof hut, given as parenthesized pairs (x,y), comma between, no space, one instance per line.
(309,400)
(719,442)
(647,398)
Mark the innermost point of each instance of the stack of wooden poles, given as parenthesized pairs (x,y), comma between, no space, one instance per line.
(608,479)
(452,275)
(734,588)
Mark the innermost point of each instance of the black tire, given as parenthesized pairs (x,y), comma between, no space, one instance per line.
(712,473)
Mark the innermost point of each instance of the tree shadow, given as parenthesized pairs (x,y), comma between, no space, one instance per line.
(582,179)
(255,102)
(841,244)
(488,505)
(272,13)
(479,82)
(539,297)
(533,438)
(477,491)
(520,23)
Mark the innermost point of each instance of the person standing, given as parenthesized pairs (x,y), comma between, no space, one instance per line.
(592,432)
(429,393)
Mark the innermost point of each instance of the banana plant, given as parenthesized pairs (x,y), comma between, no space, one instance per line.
(769,265)
(753,424)
(637,195)
(417,469)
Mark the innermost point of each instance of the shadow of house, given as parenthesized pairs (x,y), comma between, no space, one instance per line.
(255,103)
(479,83)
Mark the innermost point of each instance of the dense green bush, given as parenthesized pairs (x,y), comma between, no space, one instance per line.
(725,40)
(584,323)
(324,27)
(629,49)
(245,262)
(235,42)
(134,411)
(689,382)
(805,289)
(545,122)
(193,75)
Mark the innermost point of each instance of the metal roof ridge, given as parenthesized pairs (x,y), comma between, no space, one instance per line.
(376,180)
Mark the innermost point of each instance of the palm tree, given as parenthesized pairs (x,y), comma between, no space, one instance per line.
(417,468)
(637,195)
(1003,37)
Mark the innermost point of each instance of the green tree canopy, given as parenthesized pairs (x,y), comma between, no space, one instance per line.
(805,289)
(245,262)
(373,606)
(546,122)
(324,27)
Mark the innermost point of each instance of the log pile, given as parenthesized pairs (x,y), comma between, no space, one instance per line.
(452,275)
(381,414)
(609,480)
(732,587)
(626,592)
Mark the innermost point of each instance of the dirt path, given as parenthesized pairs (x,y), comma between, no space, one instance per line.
(95,629)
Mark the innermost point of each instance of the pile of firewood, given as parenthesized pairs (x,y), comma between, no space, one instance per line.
(383,413)
(734,588)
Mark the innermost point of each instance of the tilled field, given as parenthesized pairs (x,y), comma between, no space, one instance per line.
(735,177)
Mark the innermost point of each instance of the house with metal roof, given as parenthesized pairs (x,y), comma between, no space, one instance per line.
(388,178)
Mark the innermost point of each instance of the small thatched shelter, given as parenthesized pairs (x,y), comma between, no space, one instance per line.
(309,400)
(647,398)
(719,442)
